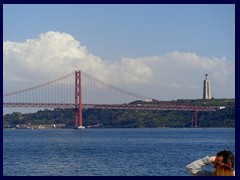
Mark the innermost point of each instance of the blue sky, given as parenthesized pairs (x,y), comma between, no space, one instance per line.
(168,47)
(130,30)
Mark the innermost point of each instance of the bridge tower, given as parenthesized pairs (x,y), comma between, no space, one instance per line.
(195,118)
(78,100)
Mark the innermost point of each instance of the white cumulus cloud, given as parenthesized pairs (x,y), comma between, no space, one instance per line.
(175,74)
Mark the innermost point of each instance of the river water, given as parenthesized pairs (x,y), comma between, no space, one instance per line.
(110,152)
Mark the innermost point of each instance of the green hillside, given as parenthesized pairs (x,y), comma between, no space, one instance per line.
(133,118)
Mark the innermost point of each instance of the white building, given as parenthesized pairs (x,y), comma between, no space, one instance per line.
(148,100)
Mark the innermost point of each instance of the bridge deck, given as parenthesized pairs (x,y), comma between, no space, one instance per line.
(150,107)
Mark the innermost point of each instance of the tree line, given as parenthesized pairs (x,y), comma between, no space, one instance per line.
(132,118)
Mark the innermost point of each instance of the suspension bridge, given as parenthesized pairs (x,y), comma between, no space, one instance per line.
(80,90)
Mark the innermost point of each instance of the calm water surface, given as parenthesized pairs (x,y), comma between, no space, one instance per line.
(110,152)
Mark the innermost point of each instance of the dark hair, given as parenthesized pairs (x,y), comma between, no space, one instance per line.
(228,156)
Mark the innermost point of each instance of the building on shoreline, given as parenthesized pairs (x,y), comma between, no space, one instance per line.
(36,126)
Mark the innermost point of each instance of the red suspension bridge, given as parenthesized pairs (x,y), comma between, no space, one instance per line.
(88,92)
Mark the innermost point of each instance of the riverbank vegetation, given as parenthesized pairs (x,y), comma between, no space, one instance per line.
(132,118)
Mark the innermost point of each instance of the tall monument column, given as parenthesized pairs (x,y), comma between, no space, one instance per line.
(206,88)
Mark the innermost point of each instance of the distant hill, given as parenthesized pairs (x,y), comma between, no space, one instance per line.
(132,118)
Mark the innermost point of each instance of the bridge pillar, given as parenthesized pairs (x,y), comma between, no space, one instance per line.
(78,99)
(195,118)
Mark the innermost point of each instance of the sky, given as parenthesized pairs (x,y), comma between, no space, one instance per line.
(160,51)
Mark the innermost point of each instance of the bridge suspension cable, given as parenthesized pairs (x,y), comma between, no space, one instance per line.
(61,90)
(80,90)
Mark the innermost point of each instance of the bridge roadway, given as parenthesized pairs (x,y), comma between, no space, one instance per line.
(151,107)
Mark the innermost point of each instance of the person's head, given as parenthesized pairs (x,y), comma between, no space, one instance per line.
(224,158)
(223,170)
